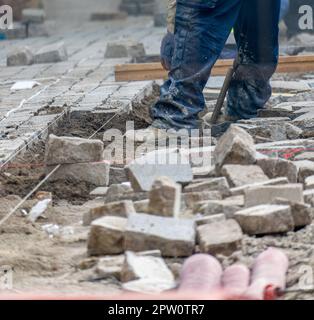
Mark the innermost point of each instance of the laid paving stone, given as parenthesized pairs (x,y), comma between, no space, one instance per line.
(239,175)
(118,209)
(213,184)
(236,146)
(276,167)
(165,198)
(124,49)
(51,54)
(305,169)
(219,237)
(110,266)
(107,236)
(309,182)
(271,182)
(267,194)
(145,267)
(143,171)
(33,15)
(193,198)
(265,219)
(173,237)
(20,57)
(301,212)
(105,16)
(99,192)
(296,86)
(96,174)
(68,150)
(210,219)
(45,29)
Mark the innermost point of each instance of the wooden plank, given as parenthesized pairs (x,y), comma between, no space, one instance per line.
(153,71)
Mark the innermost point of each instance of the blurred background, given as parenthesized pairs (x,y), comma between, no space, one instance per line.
(70,12)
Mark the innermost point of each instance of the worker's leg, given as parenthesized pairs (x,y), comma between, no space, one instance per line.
(201,30)
(256,33)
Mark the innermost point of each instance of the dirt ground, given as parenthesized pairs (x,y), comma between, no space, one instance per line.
(58,263)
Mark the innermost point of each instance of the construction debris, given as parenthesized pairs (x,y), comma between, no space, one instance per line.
(51,54)
(110,266)
(143,171)
(165,198)
(173,237)
(276,167)
(213,184)
(20,57)
(118,209)
(301,212)
(265,219)
(124,49)
(267,194)
(238,175)
(219,237)
(65,150)
(107,236)
(236,146)
(138,267)
(128,225)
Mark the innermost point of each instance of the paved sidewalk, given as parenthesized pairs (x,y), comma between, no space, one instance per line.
(84,83)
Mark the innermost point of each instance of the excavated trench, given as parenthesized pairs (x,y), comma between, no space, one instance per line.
(22,174)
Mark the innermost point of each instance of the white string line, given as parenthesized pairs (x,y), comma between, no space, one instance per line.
(5,218)
(33,139)
(29,99)
(47,177)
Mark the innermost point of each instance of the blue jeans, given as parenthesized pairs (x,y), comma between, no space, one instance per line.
(202,28)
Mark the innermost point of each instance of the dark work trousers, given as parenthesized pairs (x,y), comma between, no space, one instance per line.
(202,28)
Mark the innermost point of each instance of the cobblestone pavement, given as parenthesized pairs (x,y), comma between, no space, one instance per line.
(84,83)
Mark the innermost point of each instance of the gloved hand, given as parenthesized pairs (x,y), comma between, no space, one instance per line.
(166,50)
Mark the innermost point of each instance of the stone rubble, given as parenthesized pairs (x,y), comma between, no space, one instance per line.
(117,209)
(143,171)
(52,53)
(20,57)
(66,150)
(80,160)
(240,175)
(265,219)
(236,146)
(138,267)
(107,236)
(173,237)
(223,237)
(124,49)
(267,194)
(165,198)
(258,179)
